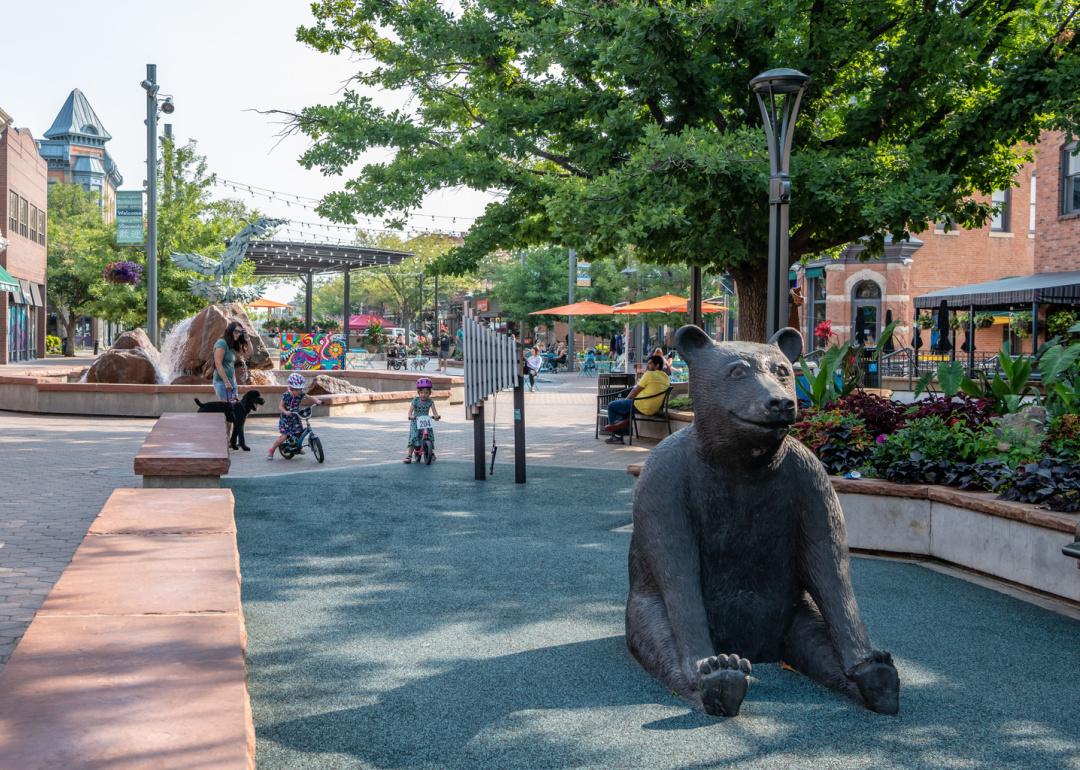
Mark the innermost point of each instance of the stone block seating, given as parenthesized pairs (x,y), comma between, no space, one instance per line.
(136,658)
(184,449)
(1015,542)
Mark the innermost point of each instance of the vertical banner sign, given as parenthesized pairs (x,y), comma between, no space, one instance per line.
(129,216)
(584,277)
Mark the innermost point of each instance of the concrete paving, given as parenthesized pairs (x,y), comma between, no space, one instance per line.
(58,471)
(411,617)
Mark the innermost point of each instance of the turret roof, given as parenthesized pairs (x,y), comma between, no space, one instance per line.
(77,118)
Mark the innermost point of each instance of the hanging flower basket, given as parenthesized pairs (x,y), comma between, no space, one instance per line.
(984,320)
(1021,324)
(123,272)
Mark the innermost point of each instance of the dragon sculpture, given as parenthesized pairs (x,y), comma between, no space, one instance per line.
(219,272)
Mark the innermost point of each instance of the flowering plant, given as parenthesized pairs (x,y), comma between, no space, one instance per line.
(823,332)
(123,272)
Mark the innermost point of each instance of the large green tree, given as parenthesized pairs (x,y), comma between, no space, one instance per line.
(607,124)
(80,246)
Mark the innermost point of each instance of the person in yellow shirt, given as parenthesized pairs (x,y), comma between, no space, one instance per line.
(646,397)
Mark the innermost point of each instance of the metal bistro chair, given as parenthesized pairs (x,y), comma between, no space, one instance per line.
(608,388)
(661,415)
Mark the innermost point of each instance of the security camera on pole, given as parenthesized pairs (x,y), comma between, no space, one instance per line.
(153,104)
(779,92)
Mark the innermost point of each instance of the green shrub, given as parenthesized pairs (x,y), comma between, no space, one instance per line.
(684,403)
(53,345)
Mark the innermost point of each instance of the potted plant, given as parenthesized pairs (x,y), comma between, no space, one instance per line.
(1058,323)
(958,321)
(374,338)
(1020,323)
(984,320)
(926,321)
(124,273)
(823,333)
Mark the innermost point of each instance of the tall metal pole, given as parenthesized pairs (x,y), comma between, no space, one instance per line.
(779,119)
(308,284)
(347,309)
(151,204)
(435,306)
(571,358)
(695,297)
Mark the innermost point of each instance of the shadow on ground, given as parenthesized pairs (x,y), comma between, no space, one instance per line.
(411,617)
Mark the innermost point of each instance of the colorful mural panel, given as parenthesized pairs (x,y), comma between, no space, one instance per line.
(312,351)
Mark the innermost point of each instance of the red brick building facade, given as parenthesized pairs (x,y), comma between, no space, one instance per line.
(23,225)
(1035,232)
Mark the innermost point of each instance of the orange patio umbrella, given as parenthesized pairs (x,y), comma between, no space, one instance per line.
(269,304)
(668,303)
(585,307)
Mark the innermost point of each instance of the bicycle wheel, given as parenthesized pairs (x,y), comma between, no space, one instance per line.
(429,452)
(316,448)
(286,452)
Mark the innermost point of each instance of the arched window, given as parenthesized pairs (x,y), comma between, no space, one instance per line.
(866,312)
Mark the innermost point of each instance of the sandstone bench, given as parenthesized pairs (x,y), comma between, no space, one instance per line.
(184,449)
(136,658)
(1011,541)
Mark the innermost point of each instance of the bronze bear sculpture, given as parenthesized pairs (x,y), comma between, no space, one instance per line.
(739,551)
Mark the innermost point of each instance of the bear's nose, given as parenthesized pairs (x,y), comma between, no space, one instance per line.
(781,405)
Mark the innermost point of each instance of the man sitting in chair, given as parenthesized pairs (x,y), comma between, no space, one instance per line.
(645,397)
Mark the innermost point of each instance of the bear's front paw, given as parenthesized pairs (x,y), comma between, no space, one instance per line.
(724,680)
(878,682)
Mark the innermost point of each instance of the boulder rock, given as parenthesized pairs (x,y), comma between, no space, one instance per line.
(261,377)
(130,340)
(325,385)
(207,328)
(190,379)
(129,367)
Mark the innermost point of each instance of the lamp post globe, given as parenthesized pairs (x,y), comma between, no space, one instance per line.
(779,92)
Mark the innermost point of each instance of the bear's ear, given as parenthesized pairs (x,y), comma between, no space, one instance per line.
(690,340)
(789,341)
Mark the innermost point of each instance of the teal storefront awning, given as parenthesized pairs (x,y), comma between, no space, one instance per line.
(7,282)
(810,272)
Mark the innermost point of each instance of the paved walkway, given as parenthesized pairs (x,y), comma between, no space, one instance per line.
(58,471)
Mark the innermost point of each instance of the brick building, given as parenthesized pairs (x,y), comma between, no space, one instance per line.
(23,225)
(1037,231)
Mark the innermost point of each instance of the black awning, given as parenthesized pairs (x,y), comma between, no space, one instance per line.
(298,258)
(1063,288)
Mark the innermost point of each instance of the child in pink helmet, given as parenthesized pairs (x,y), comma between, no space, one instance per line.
(422,404)
(291,400)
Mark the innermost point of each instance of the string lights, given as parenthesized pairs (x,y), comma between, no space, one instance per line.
(369,225)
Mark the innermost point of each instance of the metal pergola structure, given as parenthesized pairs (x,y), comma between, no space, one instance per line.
(306,260)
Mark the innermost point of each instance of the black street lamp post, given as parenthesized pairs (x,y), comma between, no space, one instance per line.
(779,92)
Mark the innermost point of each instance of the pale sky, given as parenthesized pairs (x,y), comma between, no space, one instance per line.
(219,60)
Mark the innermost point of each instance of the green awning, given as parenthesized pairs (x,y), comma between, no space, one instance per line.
(810,272)
(7,281)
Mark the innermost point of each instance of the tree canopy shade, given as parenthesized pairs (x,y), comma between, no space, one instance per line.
(611,124)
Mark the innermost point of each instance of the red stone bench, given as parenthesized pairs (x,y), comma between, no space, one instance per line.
(136,658)
(184,449)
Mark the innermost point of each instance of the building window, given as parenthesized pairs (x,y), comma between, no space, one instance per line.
(1031,204)
(1070,179)
(815,304)
(24,214)
(866,312)
(33,223)
(41,227)
(13,213)
(999,220)
(940,225)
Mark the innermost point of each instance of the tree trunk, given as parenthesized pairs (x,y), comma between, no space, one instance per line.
(69,344)
(752,288)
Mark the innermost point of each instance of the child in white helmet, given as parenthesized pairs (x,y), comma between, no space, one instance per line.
(291,400)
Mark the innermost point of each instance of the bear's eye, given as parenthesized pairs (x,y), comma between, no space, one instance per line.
(783,370)
(738,371)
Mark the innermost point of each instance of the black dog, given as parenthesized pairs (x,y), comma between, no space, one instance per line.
(236,413)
